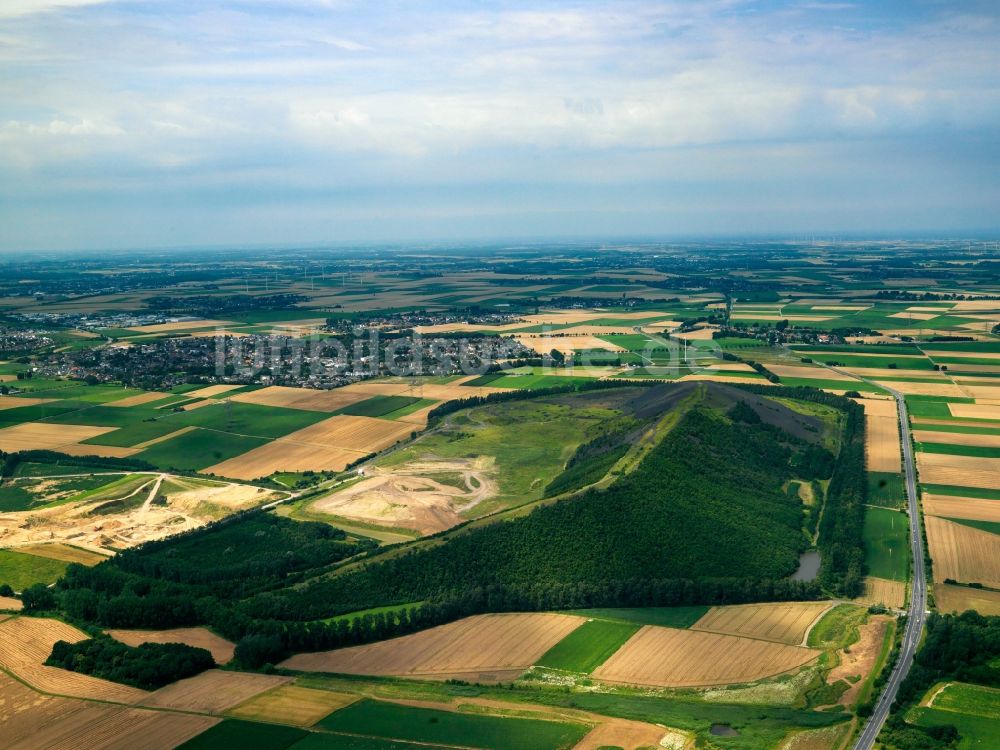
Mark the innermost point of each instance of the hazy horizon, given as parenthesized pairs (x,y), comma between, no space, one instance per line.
(134,124)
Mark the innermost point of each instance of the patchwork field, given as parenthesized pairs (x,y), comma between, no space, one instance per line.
(965,471)
(213,691)
(664,657)
(219,647)
(485,648)
(782,623)
(25,644)
(971,508)
(962,553)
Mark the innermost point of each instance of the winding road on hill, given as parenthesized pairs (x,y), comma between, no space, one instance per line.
(917,613)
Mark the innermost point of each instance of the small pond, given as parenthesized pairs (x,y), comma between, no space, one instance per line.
(808,566)
(723,730)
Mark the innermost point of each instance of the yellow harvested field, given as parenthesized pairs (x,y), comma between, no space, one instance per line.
(43,436)
(196,404)
(213,691)
(104,451)
(64,552)
(840,307)
(787,622)
(88,726)
(957,438)
(816,373)
(882,442)
(211,391)
(975,355)
(883,591)
(484,648)
(721,377)
(972,411)
(982,393)
(12,402)
(923,389)
(162,438)
(949,598)
(916,315)
(25,644)
(666,657)
(9,603)
(701,334)
(566,344)
(973,508)
(328,445)
(182,326)
(963,471)
(445,392)
(292,704)
(308,399)
(963,553)
(219,647)
(750,315)
(138,400)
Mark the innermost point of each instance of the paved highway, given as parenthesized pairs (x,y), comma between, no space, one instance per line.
(917,612)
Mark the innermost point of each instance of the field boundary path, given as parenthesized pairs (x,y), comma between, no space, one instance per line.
(917,612)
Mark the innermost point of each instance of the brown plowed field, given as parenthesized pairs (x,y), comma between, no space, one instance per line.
(949,598)
(292,704)
(957,438)
(665,657)
(25,644)
(781,623)
(213,691)
(480,648)
(308,399)
(883,591)
(219,647)
(882,449)
(972,508)
(963,553)
(327,445)
(964,471)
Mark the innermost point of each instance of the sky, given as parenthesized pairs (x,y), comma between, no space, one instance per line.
(188,123)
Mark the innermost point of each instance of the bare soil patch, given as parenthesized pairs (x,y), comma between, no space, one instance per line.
(858,659)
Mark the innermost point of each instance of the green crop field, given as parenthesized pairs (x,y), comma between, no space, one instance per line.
(959,491)
(993,527)
(198,449)
(245,735)
(838,627)
(887,552)
(20,570)
(588,647)
(410,408)
(379,406)
(979,451)
(528,382)
(669,617)
(964,429)
(327,741)
(968,699)
(394,721)
(250,419)
(978,732)
(886,489)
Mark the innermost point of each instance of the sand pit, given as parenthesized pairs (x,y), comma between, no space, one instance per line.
(219,647)
(665,657)
(962,553)
(973,508)
(883,591)
(25,644)
(858,659)
(45,436)
(308,399)
(213,691)
(139,400)
(484,648)
(964,471)
(409,496)
(330,445)
(781,623)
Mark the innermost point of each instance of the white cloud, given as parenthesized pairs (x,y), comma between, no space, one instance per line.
(15,8)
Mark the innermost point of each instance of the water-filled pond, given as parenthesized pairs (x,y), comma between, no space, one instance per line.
(808,566)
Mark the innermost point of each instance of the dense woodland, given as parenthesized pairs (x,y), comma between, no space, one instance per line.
(702,520)
(148,667)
